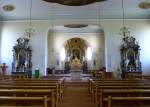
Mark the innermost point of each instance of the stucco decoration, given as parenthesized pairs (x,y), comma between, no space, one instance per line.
(76,25)
(74,2)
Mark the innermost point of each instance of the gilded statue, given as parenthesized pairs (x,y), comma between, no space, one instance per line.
(76,61)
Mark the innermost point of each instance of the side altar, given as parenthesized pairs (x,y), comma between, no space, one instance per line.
(76,68)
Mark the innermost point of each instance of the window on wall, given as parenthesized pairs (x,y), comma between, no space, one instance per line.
(62,54)
(89,53)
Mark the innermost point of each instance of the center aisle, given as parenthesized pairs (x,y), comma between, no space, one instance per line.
(77,96)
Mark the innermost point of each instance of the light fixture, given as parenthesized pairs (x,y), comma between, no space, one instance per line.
(124,31)
(29,32)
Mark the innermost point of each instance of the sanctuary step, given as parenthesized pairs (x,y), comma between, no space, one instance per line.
(81,82)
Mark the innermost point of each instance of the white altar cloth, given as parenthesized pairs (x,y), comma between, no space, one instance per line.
(76,74)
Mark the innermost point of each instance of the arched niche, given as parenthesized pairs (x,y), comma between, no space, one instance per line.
(92,36)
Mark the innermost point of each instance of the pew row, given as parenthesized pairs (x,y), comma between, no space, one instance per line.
(35,84)
(120,93)
(126,100)
(29,100)
(25,93)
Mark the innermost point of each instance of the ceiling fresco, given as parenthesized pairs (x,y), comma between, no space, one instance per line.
(74,2)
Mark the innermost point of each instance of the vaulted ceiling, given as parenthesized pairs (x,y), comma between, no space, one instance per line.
(41,10)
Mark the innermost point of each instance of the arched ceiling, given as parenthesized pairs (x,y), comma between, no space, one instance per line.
(41,10)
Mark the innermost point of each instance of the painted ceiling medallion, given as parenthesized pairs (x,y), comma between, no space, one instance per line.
(8,7)
(74,2)
(76,25)
(144,5)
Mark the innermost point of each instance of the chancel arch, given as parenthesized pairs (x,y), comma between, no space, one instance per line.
(76,42)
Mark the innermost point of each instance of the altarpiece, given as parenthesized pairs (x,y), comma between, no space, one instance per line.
(130,56)
(22,57)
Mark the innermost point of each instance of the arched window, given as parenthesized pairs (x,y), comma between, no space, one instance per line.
(62,54)
(89,53)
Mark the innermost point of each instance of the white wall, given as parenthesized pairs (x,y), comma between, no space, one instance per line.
(12,30)
(140,29)
(0,40)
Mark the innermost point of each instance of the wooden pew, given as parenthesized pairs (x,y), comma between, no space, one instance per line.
(42,79)
(4,101)
(59,81)
(22,85)
(93,84)
(111,100)
(44,82)
(121,85)
(121,93)
(56,84)
(30,93)
(142,77)
(97,93)
(96,86)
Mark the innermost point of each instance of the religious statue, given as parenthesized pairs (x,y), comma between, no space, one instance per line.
(76,61)
(76,64)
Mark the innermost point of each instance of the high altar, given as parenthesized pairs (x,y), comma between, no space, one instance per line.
(76,67)
(76,64)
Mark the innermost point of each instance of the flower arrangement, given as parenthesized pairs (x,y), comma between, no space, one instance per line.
(3,67)
(37,73)
(93,73)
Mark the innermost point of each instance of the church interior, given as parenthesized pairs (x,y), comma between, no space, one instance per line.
(74,53)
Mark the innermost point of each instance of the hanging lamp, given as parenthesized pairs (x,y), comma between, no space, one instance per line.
(29,32)
(124,31)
